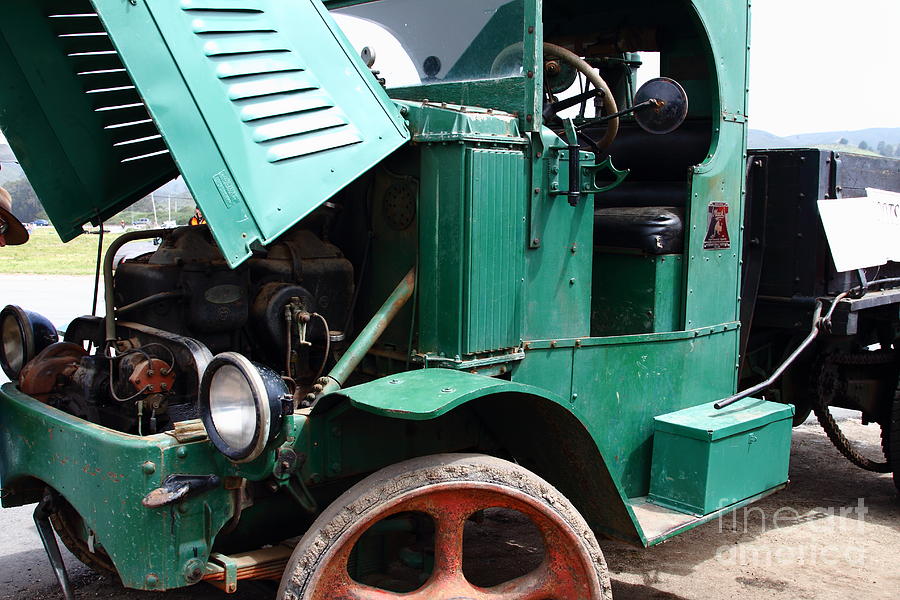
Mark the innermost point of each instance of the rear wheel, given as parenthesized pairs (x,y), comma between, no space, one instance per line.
(453,492)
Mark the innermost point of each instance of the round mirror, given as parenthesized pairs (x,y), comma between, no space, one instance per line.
(667,108)
(368,56)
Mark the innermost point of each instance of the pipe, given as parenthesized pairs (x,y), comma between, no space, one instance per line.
(108,273)
(149,301)
(97,271)
(819,323)
(817,326)
(369,335)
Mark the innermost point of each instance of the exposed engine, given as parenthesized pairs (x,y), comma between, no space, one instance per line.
(285,308)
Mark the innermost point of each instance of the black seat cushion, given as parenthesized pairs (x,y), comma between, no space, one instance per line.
(645,193)
(652,157)
(652,229)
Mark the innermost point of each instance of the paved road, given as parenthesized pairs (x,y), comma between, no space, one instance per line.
(57,297)
(23,565)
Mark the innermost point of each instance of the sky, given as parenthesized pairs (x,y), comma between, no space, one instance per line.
(823,65)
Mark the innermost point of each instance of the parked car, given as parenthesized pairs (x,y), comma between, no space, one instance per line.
(142,222)
(41,223)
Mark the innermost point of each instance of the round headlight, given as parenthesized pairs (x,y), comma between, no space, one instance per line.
(24,335)
(241,405)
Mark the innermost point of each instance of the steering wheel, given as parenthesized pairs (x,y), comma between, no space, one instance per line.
(591,74)
(580,65)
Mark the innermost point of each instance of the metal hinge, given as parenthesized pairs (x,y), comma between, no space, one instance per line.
(734,117)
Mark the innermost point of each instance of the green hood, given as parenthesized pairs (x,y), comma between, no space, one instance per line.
(262,105)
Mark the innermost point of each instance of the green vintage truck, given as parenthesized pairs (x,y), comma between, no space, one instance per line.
(458,265)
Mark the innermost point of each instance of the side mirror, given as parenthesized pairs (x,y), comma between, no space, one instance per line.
(662,106)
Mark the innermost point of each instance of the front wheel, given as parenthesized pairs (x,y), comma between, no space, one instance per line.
(452,492)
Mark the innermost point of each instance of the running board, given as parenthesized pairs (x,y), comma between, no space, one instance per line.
(659,523)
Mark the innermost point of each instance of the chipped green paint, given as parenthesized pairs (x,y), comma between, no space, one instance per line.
(104,475)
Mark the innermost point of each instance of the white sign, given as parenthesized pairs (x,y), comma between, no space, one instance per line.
(888,205)
(862,232)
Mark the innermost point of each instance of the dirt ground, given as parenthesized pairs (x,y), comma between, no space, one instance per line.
(833,533)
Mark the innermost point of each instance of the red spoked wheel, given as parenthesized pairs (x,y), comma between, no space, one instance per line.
(450,489)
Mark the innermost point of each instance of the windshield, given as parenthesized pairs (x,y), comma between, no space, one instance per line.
(419,42)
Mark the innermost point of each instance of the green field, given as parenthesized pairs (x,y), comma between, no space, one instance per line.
(45,254)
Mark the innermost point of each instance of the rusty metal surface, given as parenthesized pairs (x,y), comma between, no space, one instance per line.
(178,487)
(266,563)
(154,376)
(55,363)
(188,431)
(564,573)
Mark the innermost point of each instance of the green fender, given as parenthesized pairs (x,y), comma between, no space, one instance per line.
(427,393)
(519,415)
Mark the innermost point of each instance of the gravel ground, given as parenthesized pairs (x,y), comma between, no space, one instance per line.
(828,535)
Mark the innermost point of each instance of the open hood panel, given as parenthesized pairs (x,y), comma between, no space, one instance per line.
(263,105)
(72,116)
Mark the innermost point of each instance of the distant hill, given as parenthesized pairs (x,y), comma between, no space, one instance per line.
(763,139)
(12,171)
(849,140)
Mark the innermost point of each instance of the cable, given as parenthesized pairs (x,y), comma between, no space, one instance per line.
(172,362)
(327,345)
(112,391)
(143,351)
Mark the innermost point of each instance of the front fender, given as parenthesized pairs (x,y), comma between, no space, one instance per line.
(426,393)
(536,426)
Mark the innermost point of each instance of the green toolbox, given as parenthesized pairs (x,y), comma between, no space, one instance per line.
(706,459)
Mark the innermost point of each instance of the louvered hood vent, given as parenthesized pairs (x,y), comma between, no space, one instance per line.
(74,116)
(107,84)
(262,104)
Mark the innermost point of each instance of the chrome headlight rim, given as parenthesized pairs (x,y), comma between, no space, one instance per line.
(36,332)
(268,393)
